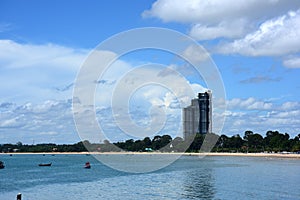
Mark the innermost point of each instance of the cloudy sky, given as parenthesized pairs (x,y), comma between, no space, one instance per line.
(254,44)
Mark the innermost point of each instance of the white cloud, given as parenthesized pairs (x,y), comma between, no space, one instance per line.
(145,96)
(213,18)
(52,121)
(17,55)
(196,54)
(261,116)
(49,121)
(290,105)
(40,78)
(293,62)
(232,29)
(252,103)
(213,11)
(233,114)
(248,104)
(8,123)
(277,36)
(33,72)
(251,28)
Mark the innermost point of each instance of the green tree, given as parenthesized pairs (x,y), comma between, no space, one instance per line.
(165,139)
(156,142)
(147,142)
(222,143)
(276,141)
(236,142)
(254,141)
(247,134)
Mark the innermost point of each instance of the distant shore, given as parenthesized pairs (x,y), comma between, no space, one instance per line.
(273,155)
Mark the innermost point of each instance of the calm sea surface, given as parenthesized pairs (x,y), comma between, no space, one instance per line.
(188,178)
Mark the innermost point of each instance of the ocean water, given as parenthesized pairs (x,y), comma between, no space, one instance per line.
(189,177)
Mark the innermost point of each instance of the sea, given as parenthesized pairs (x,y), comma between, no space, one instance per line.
(189,177)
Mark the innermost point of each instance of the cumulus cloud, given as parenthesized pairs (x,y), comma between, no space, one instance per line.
(248,104)
(11,123)
(276,36)
(156,95)
(248,28)
(290,105)
(232,29)
(195,54)
(214,19)
(251,28)
(293,62)
(18,55)
(37,72)
(261,116)
(214,11)
(144,96)
(49,121)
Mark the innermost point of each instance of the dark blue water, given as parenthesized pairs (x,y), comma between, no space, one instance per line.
(187,178)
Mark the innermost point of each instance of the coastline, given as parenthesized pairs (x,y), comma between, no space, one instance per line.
(269,155)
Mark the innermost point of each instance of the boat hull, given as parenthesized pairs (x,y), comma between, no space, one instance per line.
(1,165)
(45,164)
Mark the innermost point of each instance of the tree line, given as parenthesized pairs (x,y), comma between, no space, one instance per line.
(273,141)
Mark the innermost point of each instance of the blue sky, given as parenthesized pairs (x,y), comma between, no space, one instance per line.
(254,44)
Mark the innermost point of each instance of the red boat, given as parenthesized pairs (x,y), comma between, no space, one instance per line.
(87,165)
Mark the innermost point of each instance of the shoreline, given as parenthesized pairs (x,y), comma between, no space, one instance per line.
(270,155)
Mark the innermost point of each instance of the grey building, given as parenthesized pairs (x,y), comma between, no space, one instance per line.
(197,118)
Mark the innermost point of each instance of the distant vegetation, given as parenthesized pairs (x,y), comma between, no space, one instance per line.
(254,142)
(250,142)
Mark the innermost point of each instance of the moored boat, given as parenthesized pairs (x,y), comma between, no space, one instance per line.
(1,165)
(45,164)
(87,165)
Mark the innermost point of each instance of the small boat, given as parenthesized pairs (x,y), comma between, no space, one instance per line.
(1,165)
(45,164)
(87,165)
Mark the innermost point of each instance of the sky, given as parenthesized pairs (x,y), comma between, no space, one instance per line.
(254,44)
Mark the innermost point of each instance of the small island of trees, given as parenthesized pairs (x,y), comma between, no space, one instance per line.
(273,141)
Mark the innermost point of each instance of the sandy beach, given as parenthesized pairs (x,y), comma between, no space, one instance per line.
(271,155)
